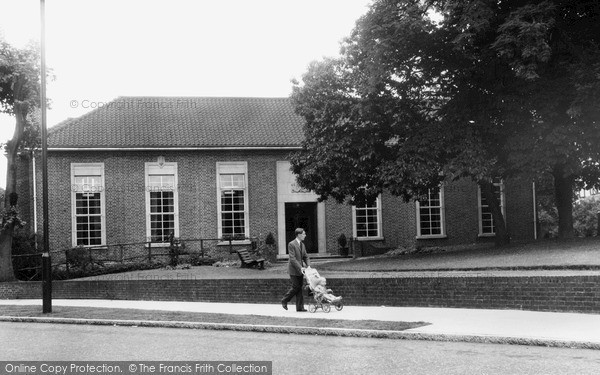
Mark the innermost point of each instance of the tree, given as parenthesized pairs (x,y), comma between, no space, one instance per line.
(19,96)
(355,148)
(474,89)
(553,48)
(585,217)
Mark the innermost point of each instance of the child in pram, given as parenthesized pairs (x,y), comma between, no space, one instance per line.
(323,297)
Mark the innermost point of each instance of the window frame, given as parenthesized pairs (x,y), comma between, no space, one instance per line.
(442,207)
(497,182)
(87,170)
(379,235)
(229,168)
(161,169)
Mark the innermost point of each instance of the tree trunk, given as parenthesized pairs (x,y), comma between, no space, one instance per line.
(10,199)
(563,194)
(6,234)
(487,190)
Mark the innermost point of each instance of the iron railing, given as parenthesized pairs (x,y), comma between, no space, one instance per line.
(197,250)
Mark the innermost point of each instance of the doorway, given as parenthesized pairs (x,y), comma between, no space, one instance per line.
(302,215)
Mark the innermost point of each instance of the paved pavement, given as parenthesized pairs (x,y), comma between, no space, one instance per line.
(493,326)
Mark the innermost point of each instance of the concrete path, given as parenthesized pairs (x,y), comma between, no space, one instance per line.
(498,326)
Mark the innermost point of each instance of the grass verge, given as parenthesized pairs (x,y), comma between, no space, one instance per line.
(574,254)
(179,316)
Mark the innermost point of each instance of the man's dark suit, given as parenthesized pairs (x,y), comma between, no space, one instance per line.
(298,255)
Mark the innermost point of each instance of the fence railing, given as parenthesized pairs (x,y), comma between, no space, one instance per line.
(198,251)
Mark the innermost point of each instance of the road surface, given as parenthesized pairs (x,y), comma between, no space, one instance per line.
(291,354)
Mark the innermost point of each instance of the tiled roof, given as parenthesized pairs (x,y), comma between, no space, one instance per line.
(180,122)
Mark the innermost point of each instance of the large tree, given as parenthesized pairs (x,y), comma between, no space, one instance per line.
(19,97)
(475,88)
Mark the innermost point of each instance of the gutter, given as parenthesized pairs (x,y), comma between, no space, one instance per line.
(218,148)
(535,219)
(34,188)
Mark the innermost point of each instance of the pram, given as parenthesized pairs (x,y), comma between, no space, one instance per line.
(323,297)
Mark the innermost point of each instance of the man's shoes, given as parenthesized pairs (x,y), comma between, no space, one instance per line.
(284,305)
(303,310)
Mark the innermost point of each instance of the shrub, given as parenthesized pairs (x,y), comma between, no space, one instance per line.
(270,239)
(79,257)
(343,243)
(61,273)
(196,259)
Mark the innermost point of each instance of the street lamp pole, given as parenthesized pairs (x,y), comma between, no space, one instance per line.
(46,262)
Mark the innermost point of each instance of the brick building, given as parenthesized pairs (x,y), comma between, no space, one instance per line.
(140,168)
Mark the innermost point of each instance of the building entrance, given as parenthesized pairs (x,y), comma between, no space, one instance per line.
(302,215)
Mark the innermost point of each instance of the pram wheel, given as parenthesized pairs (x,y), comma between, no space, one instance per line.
(339,307)
(312,307)
(326,307)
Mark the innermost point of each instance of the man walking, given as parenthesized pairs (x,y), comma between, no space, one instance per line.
(298,256)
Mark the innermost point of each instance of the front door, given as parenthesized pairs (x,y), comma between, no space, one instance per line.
(302,215)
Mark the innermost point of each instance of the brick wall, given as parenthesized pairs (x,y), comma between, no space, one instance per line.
(125,193)
(554,293)
(125,200)
(338,218)
(461,215)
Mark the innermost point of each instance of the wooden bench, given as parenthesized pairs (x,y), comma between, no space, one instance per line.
(250,261)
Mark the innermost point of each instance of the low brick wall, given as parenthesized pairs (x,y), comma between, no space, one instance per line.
(551,293)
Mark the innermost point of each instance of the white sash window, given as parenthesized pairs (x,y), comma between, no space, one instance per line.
(233,199)
(87,204)
(431,215)
(367,220)
(162,206)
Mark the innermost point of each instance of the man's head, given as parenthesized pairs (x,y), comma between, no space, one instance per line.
(300,234)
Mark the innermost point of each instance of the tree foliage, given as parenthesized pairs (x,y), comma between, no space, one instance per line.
(427,90)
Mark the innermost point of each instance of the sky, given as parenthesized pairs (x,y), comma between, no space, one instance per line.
(100,50)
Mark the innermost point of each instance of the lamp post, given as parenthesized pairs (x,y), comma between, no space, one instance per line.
(46,262)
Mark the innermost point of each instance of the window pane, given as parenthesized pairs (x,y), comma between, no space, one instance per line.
(430,214)
(161,183)
(162,207)
(87,183)
(367,221)
(231,181)
(88,210)
(232,206)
